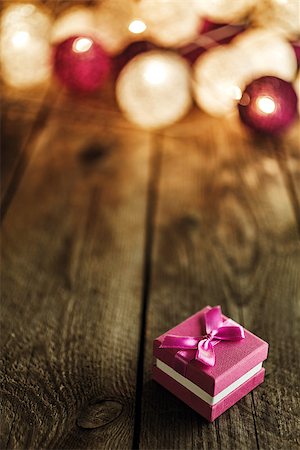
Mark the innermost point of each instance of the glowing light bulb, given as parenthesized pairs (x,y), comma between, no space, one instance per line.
(218,81)
(24,46)
(224,11)
(81,64)
(20,39)
(236,92)
(169,23)
(282,16)
(155,72)
(266,104)
(118,23)
(75,21)
(153,89)
(137,26)
(82,45)
(262,52)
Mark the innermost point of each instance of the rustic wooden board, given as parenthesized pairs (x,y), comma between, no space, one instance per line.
(72,272)
(224,233)
(24,113)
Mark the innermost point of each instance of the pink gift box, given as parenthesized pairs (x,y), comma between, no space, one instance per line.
(210,390)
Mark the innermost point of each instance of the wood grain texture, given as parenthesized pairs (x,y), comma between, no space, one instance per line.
(72,272)
(224,233)
(22,115)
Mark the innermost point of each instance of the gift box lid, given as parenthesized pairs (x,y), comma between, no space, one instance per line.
(233,359)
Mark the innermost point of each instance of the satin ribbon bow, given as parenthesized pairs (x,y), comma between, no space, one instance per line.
(202,348)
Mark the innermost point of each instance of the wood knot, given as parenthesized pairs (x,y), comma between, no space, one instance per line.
(99,414)
(94,152)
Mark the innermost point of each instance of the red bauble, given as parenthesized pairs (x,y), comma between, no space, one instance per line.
(268,105)
(81,64)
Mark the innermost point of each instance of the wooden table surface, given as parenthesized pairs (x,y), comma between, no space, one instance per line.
(112,235)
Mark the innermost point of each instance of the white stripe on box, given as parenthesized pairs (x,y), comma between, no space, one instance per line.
(200,392)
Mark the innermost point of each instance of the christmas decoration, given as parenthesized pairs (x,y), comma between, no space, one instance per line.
(231,48)
(169,22)
(153,90)
(24,45)
(224,10)
(81,63)
(263,52)
(268,105)
(217,81)
(75,21)
(281,16)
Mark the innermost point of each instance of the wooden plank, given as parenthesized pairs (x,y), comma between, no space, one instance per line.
(287,151)
(72,269)
(224,233)
(23,115)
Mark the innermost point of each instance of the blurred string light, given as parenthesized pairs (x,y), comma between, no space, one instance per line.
(153,90)
(118,23)
(169,22)
(268,105)
(81,64)
(137,26)
(282,16)
(24,47)
(217,81)
(221,75)
(224,11)
(264,52)
(74,21)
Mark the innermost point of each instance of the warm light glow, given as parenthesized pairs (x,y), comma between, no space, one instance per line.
(20,39)
(170,23)
(218,81)
(224,10)
(261,53)
(266,104)
(153,89)
(76,21)
(24,45)
(155,72)
(137,26)
(236,92)
(82,45)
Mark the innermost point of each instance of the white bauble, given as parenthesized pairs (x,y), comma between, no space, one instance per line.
(217,81)
(263,53)
(224,11)
(114,20)
(282,16)
(170,22)
(75,21)
(153,90)
(24,48)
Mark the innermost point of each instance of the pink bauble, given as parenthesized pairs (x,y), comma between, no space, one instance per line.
(268,105)
(81,64)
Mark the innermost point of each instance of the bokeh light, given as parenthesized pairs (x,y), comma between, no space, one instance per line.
(217,81)
(153,90)
(224,11)
(74,21)
(170,23)
(268,105)
(24,47)
(81,64)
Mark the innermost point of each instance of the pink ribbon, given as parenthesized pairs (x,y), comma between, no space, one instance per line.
(202,348)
